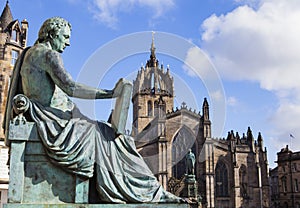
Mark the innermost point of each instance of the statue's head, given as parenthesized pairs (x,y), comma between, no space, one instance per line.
(57,32)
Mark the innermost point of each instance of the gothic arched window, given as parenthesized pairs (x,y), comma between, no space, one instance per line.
(221,180)
(243,181)
(150,108)
(156,108)
(183,141)
(160,108)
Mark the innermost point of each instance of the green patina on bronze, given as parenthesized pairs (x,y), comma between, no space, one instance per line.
(72,142)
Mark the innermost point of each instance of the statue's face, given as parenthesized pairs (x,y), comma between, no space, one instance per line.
(61,40)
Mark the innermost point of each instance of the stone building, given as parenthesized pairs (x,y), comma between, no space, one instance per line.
(285,189)
(13,39)
(274,187)
(234,171)
(231,172)
(161,130)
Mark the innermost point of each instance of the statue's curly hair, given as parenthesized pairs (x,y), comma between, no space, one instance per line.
(52,27)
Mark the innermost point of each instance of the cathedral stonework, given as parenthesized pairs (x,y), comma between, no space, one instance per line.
(230,172)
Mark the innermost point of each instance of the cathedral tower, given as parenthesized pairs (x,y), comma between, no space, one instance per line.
(153,92)
(163,134)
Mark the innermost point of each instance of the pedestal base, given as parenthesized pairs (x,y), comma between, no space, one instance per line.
(191,188)
(153,205)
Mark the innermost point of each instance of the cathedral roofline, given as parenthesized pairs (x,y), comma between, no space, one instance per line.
(240,143)
(183,110)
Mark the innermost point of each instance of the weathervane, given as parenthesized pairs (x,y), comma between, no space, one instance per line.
(152,46)
(153,32)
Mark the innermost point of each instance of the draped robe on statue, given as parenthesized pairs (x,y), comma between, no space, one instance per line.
(77,144)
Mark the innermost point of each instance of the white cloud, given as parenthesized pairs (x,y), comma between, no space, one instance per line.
(216,95)
(287,118)
(261,44)
(107,11)
(194,61)
(197,64)
(232,101)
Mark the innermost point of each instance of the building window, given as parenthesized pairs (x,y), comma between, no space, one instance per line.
(284,185)
(182,142)
(150,108)
(295,166)
(243,181)
(14,35)
(221,180)
(14,57)
(156,108)
(160,108)
(296,188)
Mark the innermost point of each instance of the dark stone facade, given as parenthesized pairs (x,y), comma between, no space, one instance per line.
(285,180)
(231,172)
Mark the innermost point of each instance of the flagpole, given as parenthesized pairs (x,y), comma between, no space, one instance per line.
(291,137)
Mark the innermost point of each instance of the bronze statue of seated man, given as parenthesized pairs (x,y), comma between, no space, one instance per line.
(72,141)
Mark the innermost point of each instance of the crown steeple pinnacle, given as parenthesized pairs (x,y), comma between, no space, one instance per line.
(152,45)
(152,62)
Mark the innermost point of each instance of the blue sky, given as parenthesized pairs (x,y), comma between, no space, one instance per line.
(254,46)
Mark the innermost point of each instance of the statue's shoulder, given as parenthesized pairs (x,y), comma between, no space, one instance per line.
(42,52)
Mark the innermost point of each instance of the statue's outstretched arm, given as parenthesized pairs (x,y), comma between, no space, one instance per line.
(65,81)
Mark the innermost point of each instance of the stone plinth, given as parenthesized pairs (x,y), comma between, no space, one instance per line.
(190,189)
(33,178)
(152,205)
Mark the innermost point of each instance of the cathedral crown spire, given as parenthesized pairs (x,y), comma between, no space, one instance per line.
(153,78)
